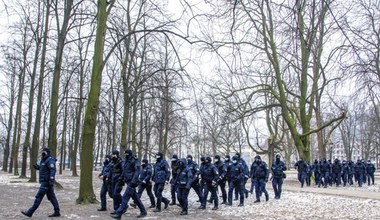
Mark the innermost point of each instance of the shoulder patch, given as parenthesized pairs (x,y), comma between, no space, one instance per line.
(52,165)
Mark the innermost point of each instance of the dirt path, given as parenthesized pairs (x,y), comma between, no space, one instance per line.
(17,194)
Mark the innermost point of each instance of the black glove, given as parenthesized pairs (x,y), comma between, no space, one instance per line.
(36,166)
(51,183)
(266,179)
(188,187)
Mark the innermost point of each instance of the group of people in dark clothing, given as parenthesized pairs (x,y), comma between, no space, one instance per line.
(183,175)
(339,173)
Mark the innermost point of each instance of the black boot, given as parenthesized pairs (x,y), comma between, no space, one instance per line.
(142,214)
(55,214)
(26,213)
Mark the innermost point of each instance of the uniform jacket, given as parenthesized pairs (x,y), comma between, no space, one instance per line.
(161,172)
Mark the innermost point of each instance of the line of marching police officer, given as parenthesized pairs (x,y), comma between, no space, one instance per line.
(327,173)
(185,175)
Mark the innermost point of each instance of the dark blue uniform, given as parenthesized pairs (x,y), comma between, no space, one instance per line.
(360,172)
(325,172)
(106,186)
(194,168)
(209,176)
(222,169)
(278,168)
(161,175)
(345,172)
(145,182)
(260,174)
(351,172)
(370,173)
(246,176)
(116,178)
(130,175)
(316,171)
(183,183)
(173,183)
(236,180)
(301,167)
(336,172)
(47,171)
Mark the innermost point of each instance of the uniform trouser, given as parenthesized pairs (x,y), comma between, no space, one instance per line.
(244,190)
(301,178)
(345,178)
(238,186)
(222,185)
(260,188)
(128,194)
(116,194)
(182,195)
(158,188)
(337,177)
(277,186)
(173,188)
(45,189)
(350,177)
(360,177)
(148,188)
(207,186)
(325,176)
(308,179)
(316,178)
(196,186)
(253,185)
(370,177)
(103,194)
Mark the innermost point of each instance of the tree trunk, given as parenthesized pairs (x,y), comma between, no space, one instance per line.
(56,78)
(37,121)
(86,190)
(10,125)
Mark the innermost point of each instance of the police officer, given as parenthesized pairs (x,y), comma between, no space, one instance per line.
(130,175)
(145,182)
(236,180)
(222,169)
(161,176)
(301,168)
(316,171)
(246,176)
(336,172)
(325,172)
(360,172)
(106,183)
(173,183)
(194,168)
(116,178)
(370,172)
(47,171)
(209,176)
(260,174)
(351,172)
(278,168)
(309,171)
(345,172)
(183,182)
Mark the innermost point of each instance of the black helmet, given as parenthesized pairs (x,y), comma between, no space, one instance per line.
(174,157)
(128,152)
(208,159)
(115,152)
(189,157)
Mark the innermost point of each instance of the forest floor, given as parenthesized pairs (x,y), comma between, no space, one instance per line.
(296,202)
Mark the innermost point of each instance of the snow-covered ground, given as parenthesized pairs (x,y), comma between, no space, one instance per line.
(296,203)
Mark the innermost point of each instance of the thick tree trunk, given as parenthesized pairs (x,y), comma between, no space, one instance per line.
(86,190)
